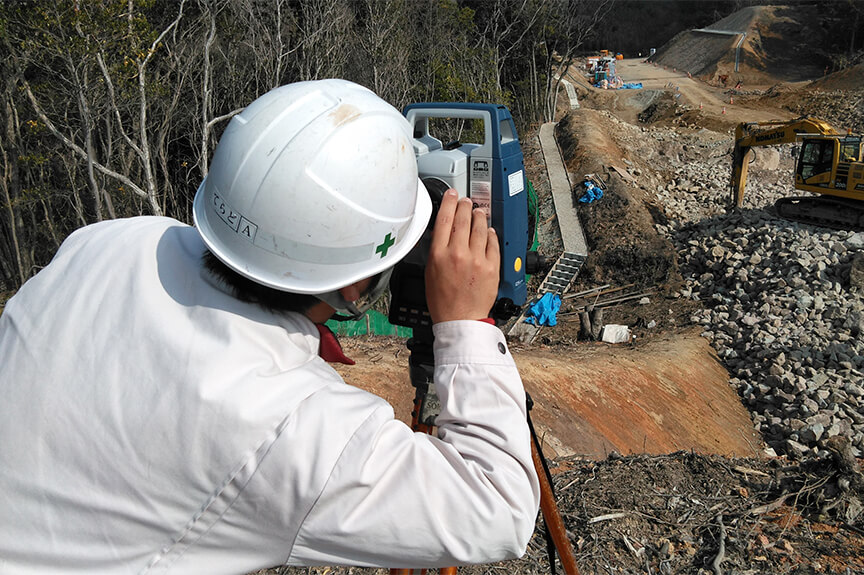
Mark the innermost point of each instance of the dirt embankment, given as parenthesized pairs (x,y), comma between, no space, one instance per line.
(667,395)
(623,246)
(756,46)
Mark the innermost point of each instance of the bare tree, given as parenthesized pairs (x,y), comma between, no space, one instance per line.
(569,23)
(139,127)
(508,28)
(449,56)
(382,39)
(130,122)
(324,29)
(15,261)
(122,102)
(272,35)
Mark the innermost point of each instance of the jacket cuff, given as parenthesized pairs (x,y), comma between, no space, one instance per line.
(470,341)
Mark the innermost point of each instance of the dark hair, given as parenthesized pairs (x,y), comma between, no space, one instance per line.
(247,290)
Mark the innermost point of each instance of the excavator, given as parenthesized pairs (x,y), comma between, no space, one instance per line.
(829,164)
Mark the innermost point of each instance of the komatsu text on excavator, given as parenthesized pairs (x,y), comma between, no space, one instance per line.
(829,165)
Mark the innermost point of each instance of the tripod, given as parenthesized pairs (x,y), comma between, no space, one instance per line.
(421,366)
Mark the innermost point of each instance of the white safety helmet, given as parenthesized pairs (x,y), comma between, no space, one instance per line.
(313,187)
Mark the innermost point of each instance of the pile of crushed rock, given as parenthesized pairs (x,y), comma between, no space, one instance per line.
(783,303)
(844,109)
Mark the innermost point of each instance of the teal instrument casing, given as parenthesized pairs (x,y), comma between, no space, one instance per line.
(491,173)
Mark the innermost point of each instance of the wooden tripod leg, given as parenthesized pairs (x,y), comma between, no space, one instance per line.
(552,517)
(441,571)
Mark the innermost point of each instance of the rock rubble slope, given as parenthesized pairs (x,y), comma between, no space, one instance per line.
(783,308)
(782,303)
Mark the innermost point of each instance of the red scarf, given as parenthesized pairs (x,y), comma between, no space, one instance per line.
(330,350)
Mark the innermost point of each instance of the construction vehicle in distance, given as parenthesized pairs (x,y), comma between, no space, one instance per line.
(829,164)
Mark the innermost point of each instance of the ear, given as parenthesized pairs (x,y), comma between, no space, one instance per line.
(351,292)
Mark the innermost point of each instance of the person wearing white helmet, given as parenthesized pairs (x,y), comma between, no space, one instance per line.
(164,405)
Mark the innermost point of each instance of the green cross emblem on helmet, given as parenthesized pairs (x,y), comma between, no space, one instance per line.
(385,246)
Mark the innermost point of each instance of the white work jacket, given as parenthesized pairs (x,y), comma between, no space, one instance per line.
(152,423)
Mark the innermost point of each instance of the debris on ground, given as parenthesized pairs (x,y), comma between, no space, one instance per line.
(545,310)
(701,514)
(615,333)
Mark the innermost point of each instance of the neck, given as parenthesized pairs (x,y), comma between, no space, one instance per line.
(320,312)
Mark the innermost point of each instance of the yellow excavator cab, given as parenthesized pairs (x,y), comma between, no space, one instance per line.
(850,151)
(829,164)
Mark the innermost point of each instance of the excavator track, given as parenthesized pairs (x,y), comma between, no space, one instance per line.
(836,213)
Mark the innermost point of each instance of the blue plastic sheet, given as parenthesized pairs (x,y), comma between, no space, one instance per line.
(591,193)
(630,86)
(545,310)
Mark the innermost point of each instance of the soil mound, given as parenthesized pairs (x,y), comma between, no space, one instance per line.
(851,78)
(665,395)
(623,246)
(756,46)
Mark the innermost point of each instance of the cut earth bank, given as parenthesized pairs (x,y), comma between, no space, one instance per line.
(667,395)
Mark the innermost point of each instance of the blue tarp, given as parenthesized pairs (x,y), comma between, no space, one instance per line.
(545,310)
(591,193)
(631,86)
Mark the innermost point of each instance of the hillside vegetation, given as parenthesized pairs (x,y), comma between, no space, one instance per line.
(112,109)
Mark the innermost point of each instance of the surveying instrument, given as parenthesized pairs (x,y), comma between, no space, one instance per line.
(492,173)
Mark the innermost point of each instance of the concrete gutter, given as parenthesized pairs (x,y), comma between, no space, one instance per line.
(738,49)
(568,221)
(567,266)
(571,92)
(727,33)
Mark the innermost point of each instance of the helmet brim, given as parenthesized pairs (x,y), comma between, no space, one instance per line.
(317,277)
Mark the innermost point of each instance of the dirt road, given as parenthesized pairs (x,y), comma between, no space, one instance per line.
(712,101)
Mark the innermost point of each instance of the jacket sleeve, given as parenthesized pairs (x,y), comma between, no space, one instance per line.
(396,498)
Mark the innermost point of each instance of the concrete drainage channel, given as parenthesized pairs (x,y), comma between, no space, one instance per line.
(567,266)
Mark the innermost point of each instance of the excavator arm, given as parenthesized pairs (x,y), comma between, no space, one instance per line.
(752,134)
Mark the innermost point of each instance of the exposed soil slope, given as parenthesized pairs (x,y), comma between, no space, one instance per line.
(667,395)
(758,46)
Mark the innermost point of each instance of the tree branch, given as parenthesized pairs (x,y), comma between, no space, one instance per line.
(78,150)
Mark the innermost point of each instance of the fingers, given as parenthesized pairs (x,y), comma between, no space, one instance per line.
(464,259)
(493,250)
(458,223)
(462,223)
(444,221)
(479,232)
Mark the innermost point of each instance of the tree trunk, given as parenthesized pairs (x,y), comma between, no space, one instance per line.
(207,99)
(12,189)
(94,203)
(585,332)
